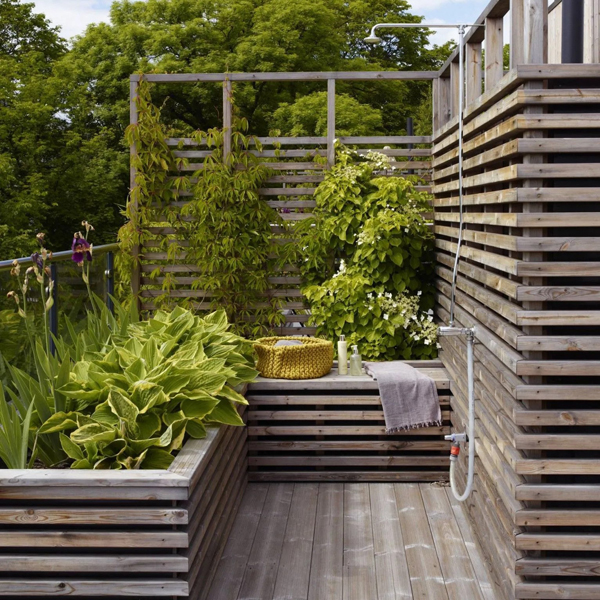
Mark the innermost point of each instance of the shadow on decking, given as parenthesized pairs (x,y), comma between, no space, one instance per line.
(363,541)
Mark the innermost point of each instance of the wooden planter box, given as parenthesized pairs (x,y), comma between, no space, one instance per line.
(122,533)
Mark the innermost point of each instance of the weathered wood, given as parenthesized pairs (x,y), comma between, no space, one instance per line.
(494,51)
(92,516)
(562,591)
(346,476)
(133,537)
(460,578)
(261,573)
(391,567)
(558,493)
(474,73)
(293,575)
(326,578)
(230,572)
(92,539)
(426,575)
(96,587)
(282,76)
(558,567)
(76,563)
(359,579)
(330,122)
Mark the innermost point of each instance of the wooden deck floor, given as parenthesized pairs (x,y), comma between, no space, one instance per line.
(350,541)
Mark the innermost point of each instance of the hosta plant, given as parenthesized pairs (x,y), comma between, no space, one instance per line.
(133,404)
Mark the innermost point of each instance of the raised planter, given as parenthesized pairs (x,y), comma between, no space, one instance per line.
(120,534)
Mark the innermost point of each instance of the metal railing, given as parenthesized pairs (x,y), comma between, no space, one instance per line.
(69,291)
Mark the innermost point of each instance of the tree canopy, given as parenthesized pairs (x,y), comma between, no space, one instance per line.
(65,109)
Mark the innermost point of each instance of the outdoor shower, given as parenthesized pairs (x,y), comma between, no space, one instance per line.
(451,330)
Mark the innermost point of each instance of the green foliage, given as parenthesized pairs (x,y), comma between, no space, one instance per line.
(14,434)
(368,260)
(228,230)
(64,110)
(121,393)
(226,224)
(154,190)
(308,116)
(132,405)
(53,167)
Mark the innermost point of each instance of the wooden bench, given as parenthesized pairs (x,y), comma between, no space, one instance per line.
(333,428)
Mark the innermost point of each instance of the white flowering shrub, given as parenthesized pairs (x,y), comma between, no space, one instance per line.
(368,260)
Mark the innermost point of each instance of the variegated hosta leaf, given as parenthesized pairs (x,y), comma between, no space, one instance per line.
(141,397)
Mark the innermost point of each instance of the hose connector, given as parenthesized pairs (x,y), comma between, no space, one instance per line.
(454,452)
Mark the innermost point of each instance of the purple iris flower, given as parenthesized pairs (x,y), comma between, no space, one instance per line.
(80,247)
(37,260)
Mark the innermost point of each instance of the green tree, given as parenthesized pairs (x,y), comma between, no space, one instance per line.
(54,170)
(247,35)
(64,112)
(29,125)
(308,116)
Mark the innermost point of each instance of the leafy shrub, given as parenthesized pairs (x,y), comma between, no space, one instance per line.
(133,404)
(368,261)
(234,261)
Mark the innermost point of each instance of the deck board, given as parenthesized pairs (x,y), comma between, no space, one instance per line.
(263,563)
(294,567)
(359,560)
(338,541)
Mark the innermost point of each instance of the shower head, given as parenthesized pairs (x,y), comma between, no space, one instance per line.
(372,39)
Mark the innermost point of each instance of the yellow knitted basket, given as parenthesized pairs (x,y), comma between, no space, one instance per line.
(314,358)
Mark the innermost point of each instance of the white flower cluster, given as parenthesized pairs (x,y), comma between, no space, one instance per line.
(379,161)
(341,269)
(419,325)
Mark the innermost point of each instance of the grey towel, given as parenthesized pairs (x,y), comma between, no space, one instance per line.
(409,398)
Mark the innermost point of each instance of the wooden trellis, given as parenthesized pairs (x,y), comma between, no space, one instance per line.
(290,191)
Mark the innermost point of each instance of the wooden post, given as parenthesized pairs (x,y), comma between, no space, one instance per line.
(454,88)
(473,72)
(227,117)
(444,99)
(436,105)
(494,52)
(135,252)
(529,31)
(594,19)
(330,122)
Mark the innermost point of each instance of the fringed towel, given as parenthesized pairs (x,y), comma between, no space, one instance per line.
(409,398)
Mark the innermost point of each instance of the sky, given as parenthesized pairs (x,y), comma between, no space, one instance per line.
(73,16)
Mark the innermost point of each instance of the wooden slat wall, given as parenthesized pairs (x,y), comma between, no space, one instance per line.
(122,534)
(333,429)
(529,281)
(290,190)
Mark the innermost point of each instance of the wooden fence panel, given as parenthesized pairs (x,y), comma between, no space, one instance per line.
(530,266)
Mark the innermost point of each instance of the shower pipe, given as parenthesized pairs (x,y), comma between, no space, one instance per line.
(451,330)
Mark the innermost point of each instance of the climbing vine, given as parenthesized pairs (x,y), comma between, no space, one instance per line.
(229,230)
(221,230)
(153,192)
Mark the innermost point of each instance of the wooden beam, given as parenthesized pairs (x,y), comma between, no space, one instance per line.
(473,72)
(529,32)
(494,51)
(299,76)
(330,122)
(227,117)
(135,251)
(454,88)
